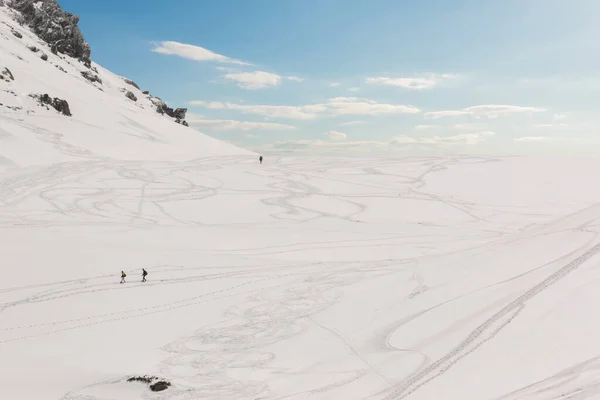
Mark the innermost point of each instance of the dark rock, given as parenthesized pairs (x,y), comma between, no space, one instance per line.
(180,113)
(17,34)
(146,92)
(56,27)
(132,83)
(160,386)
(91,77)
(33,48)
(44,57)
(130,96)
(61,68)
(185,123)
(6,75)
(60,105)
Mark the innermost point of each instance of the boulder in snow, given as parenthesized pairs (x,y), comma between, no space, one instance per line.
(160,386)
(17,34)
(60,105)
(33,48)
(44,56)
(6,75)
(91,77)
(130,96)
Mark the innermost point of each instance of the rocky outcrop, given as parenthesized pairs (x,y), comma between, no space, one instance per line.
(17,34)
(146,92)
(132,83)
(44,56)
(6,75)
(162,108)
(130,96)
(56,27)
(33,48)
(60,105)
(91,77)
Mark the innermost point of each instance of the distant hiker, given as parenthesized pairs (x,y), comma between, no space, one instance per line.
(144,273)
(260,159)
(123,275)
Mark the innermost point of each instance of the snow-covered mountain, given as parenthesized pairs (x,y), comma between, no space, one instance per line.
(58,105)
(299,278)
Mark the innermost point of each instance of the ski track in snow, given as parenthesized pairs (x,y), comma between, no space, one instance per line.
(281,300)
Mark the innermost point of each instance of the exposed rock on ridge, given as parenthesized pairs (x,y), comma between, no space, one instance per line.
(55,26)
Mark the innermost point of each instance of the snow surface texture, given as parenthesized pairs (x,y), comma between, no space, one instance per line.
(422,278)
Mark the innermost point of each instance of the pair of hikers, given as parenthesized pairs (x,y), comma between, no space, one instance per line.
(144,273)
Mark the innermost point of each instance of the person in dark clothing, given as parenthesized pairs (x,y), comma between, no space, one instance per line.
(144,273)
(123,275)
(260,159)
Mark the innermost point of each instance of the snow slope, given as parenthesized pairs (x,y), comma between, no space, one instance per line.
(418,278)
(105,124)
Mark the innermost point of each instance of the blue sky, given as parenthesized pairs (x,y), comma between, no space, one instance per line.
(370,77)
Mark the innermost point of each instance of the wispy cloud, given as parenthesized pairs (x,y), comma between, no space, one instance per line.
(322,146)
(540,126)
(343,146)
(490,111)
(414,83)
(531,139)
(359,106)
(336,135)
(354,89)
(254,80)
(463,138)
(334,107)
(349,123)
(294,78)
(192,52)
(334,84)
(234,125)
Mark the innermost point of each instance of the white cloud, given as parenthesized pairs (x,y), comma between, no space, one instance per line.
(294,78)
(254,80)
(550,125)
(289,112)
(531,139)
(334,107)
(425,127)
(490,111)
(358,106)
(336,135)
(422,83)
(354,89)
(321,146)
(334,84)
(366,146)
(231,125)
(463,138)
(559,117)
(192,52)
(352,123)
